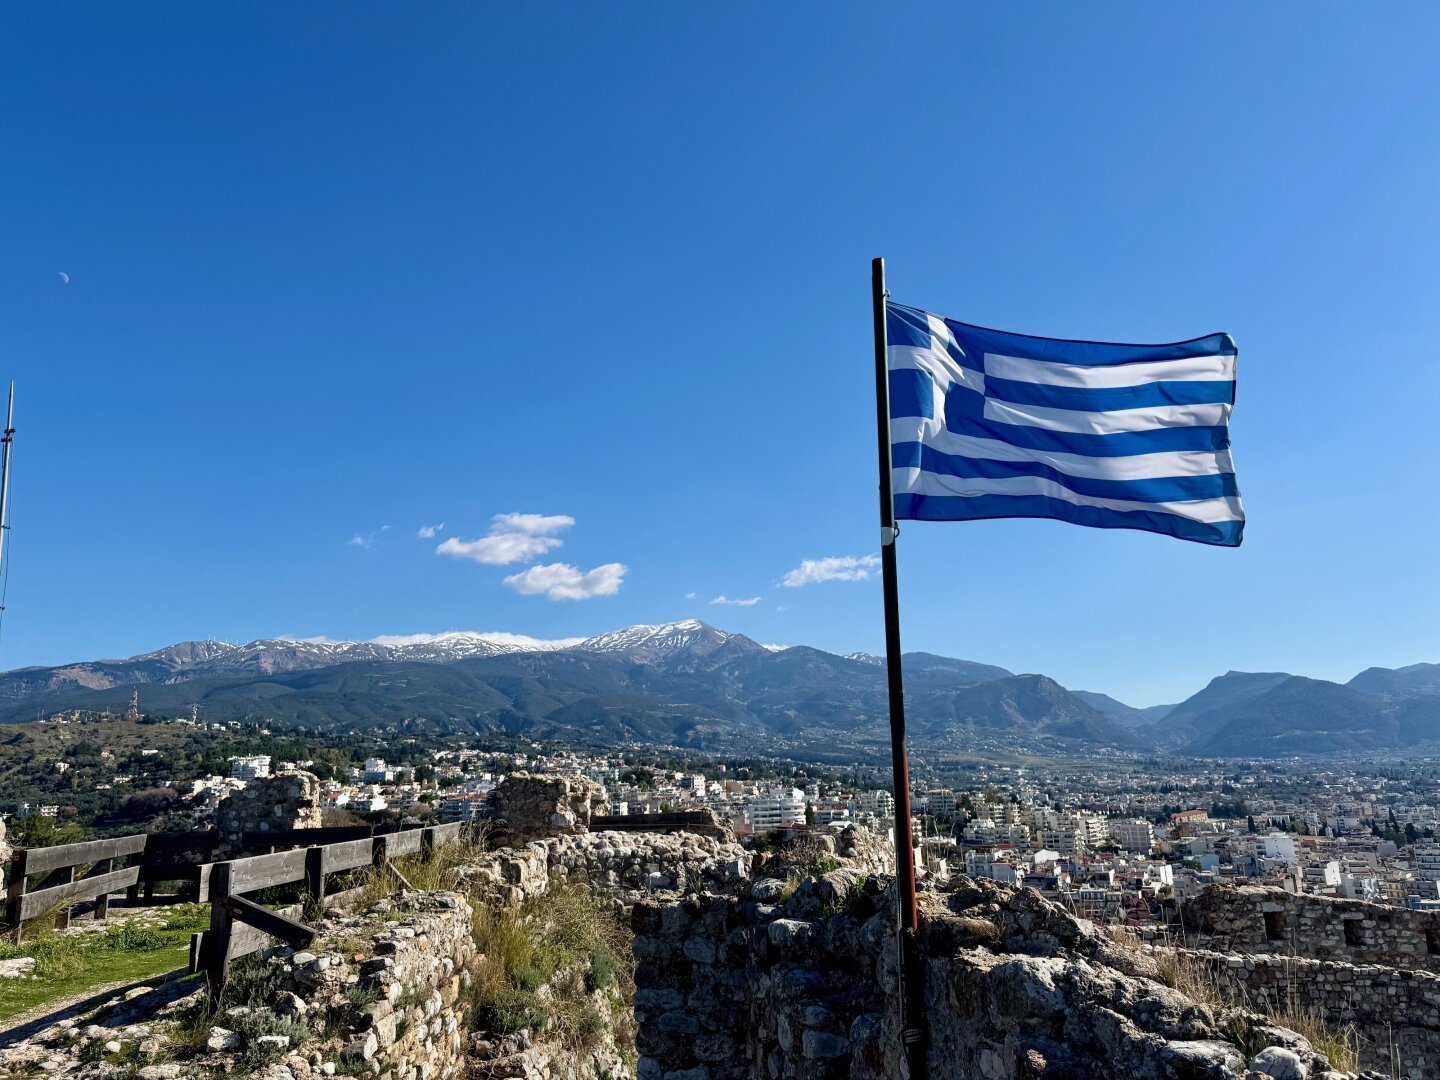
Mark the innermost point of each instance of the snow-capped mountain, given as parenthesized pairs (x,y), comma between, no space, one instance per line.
(686,645)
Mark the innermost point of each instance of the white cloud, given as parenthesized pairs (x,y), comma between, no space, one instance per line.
(690,595)
(736,603)
(367,540)
(534,524)
(428,531)
(833,568)
(561,581)
(512,538)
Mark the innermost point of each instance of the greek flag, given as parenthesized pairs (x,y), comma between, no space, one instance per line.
(986,424)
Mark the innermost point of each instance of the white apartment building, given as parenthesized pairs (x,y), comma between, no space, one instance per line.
(877,803)
(250,768)
(777,808)
(1280,847)
(1137,836)
(940,802)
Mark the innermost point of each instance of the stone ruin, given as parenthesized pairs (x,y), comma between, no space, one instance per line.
(528,806)
(743,971)
(289,800)
(800,985)
(5,852)
(1369,967)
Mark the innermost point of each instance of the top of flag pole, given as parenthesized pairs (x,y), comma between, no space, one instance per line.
(990,424)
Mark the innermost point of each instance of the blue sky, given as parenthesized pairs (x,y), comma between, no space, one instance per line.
(342,271)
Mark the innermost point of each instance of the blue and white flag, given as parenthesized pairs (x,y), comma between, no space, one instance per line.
(986,424)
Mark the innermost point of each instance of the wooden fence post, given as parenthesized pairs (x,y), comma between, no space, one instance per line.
(315,876)
(102,902)
(15,893)
(217,941)
(427,844)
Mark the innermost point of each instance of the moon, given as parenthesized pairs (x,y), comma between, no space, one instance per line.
(64,278)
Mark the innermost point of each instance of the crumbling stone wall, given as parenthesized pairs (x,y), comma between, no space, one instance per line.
(801,986)
(268,804)
(1386,1006)
(1254,919)
(377,993)
(622,865)
(529,807)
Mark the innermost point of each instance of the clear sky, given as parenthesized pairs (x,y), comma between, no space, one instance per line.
(340,272)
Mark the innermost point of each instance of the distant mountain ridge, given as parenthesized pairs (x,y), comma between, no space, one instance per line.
(691,683)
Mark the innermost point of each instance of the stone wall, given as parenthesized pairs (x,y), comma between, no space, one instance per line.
(268,804)
(1253,919)
(1388,1007)
(5,852)
(622,865)
(378,993)
(800,986)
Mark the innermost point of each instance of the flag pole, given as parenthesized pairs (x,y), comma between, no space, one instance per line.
(911,976)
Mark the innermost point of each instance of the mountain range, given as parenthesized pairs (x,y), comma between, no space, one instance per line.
(689,683)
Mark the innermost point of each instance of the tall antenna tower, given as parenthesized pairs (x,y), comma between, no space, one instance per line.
(133,712)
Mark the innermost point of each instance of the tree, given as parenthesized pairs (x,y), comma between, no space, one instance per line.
(1250,823)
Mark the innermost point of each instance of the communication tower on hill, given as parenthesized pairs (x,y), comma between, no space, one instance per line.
(133,712)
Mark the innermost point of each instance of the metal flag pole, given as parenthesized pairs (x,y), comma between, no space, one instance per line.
(911,975)
(5,442)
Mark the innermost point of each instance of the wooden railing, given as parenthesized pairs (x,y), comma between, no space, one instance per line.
(239,926)
(97,869)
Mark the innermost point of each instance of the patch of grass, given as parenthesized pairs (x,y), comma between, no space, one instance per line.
(565,941)
(68,964)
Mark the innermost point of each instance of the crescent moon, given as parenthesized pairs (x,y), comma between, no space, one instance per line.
(64,278)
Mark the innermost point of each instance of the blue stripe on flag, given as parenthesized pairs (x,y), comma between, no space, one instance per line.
(960,508)
(912,393)
(1111,399)
(914,455)
(964,415)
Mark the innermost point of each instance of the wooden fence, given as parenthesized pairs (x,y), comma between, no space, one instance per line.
(97,869)
(239,926)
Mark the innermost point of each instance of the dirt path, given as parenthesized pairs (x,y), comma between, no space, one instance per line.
(171,985)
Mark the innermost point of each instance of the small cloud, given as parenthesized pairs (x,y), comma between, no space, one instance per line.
(561,581)
(428,531)
(367,540)
(512,538)
(833,568)
(722,599)
(690,596)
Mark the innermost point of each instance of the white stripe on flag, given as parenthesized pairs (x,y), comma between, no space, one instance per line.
(1190,369)
(1107,423)
(909,481)
(1127,467)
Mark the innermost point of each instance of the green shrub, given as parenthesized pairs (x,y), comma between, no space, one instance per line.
(516,1010)
(603,970)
